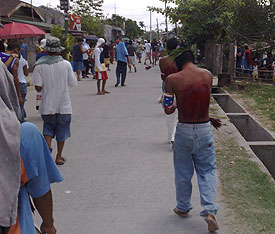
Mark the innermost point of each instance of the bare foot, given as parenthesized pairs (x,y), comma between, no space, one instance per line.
(104,91)
(100,93)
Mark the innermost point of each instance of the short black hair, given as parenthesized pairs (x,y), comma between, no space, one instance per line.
(80,39)
(12,45)
(185,57)
(130,42)
(172,44)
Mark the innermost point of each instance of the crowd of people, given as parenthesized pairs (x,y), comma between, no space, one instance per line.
(189,128)
(249,62)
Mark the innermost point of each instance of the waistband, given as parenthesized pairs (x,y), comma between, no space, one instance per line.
(194,125)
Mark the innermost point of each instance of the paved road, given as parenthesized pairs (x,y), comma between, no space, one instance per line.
(119,175)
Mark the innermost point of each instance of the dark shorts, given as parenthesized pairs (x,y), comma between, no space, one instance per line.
(57,125)
(78,66)
(4,230)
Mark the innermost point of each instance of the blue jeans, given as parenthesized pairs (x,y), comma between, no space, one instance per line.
(57,125)
(194,148)
(121,69)
(23,89)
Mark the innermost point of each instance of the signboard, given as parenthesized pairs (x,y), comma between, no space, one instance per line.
(75,22)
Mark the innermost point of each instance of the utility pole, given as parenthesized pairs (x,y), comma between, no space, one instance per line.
(150,25)
(158,28)
(64,5)
(32,11)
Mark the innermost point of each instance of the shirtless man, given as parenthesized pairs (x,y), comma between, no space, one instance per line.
(194,145)
(168,66)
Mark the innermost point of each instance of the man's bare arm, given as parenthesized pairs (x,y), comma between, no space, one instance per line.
(26,70)
(16,81)
(44,206)
(9,61)
(169,90)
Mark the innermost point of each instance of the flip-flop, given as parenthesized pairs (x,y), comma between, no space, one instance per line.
(61,162)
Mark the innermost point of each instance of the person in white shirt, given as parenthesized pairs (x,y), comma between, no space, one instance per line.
(23,70)
(52,76)
(85,47)
(100,69)
(148,49)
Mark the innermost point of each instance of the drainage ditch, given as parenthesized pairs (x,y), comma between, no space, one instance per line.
(259,139)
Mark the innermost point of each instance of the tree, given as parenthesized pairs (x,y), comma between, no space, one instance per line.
(87,7)
(93,26)
(132,29)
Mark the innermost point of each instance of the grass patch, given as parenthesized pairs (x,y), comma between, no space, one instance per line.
(249,192)
(263,96)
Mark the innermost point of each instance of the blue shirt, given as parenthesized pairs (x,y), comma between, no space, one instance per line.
(4,57)
(77,54)
(38,173)
(23,50)
(121,52)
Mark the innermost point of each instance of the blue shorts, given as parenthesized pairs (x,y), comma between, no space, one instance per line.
(57,125)
(78,66)
(139,55)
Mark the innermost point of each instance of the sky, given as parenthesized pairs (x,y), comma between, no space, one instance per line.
(135,10)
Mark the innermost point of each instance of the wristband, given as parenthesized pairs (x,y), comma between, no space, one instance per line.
(168,100)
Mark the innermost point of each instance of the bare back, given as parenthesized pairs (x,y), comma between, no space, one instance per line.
(191,87)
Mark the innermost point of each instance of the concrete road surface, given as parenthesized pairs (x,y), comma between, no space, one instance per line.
(119,176)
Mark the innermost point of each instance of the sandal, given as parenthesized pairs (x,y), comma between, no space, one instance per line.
(61,162)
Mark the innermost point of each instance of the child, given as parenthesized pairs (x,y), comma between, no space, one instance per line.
(255,73)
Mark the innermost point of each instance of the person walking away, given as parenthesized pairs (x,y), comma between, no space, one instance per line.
(161,48)
(106,54)
(155,50)
(78,52)
(239,61)
(53,76)
(85,55)
(168,66)
(132,51)
(42,52)
(147,48)
(10,150)
(23,48)
(122,58)
(101,73)
(10,60)
(139,51)
(112,52)
(194,144)
(26,164)
(23,71)
(247,60)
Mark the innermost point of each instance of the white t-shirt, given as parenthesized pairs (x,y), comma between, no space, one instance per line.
(147,48)
(22,62)
(85,55)
(97,53)
(55,80)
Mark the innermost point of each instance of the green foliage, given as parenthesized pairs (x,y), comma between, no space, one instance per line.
(249,192)
(67,41)
(93,26)
(132,29)
(87,7)
(263,96)
(221,20)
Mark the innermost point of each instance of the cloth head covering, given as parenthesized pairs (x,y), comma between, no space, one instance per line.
(43,43)
(10,148)
(100,41)
(53,45)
